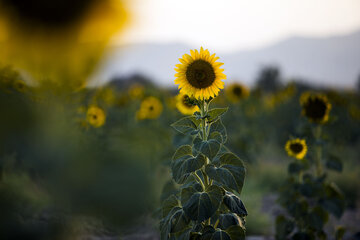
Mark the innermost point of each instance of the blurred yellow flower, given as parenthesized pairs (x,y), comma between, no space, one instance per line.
(184,106)
(19,85)
(136,91)
(150,108)
(296,148)
(315,107)
(58,40)
(236,92)
(95,116)
(199,75)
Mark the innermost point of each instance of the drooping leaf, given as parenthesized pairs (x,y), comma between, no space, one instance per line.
(334,163)
(217,136)
(284,227)
(201,205)
(169,204)
(317,218)
(184,166)
(228,219)
(168,190)
(176,221)
(234,204)
(230,172)
(334,201)
(236,233)
(216,113)
(187,125)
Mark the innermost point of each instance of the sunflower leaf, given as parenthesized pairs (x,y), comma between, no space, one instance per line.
(216,113)
(218,126)
(201,205)
(187,125)
(234,204)
(209,148)
(182,167)
(230,173)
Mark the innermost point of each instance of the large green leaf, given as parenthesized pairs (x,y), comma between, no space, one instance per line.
(186,125)
(234,204)
(169,204)
(317,218)
(216,113)
(182,151)
(184,166)
(333,200)
(201,205)
(176,221)
(209,148)
(218,126)
(230,172)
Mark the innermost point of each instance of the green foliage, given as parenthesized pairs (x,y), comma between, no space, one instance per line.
(206,205)
(308,197)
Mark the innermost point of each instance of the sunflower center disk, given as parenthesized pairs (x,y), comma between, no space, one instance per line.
(237,91)
(200,74)
(296,147)
(315,108)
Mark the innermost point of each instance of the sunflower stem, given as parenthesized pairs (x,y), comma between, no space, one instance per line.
(200,181)
(318,150)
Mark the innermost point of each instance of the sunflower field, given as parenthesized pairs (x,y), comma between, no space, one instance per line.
(206,159)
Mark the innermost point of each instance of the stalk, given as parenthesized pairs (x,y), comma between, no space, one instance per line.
(318,150)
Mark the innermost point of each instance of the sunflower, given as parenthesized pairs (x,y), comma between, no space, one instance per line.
(315,107)
(150,108)
(184,105)
(59,40)
(199,74)
(19,85)
(236,92)
(95,116)
(296,148)
(136,91)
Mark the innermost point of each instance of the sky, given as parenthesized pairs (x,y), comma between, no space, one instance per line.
(227,25)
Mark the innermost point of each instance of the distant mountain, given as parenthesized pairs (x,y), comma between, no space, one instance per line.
(330,61)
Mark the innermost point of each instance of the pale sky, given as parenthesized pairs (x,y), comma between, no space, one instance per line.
(227,25)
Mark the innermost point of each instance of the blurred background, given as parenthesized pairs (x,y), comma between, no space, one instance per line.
(79,158)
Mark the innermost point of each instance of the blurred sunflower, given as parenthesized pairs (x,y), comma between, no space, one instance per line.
(150,108)
(136,91)
(58,40)
(236,92)
(315,107)
(184,105)
(19,85)
(296,148)
(95,116)
(199,75)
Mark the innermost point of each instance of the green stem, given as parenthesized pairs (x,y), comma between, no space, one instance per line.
(200,181)
(203,123)
(318,150)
